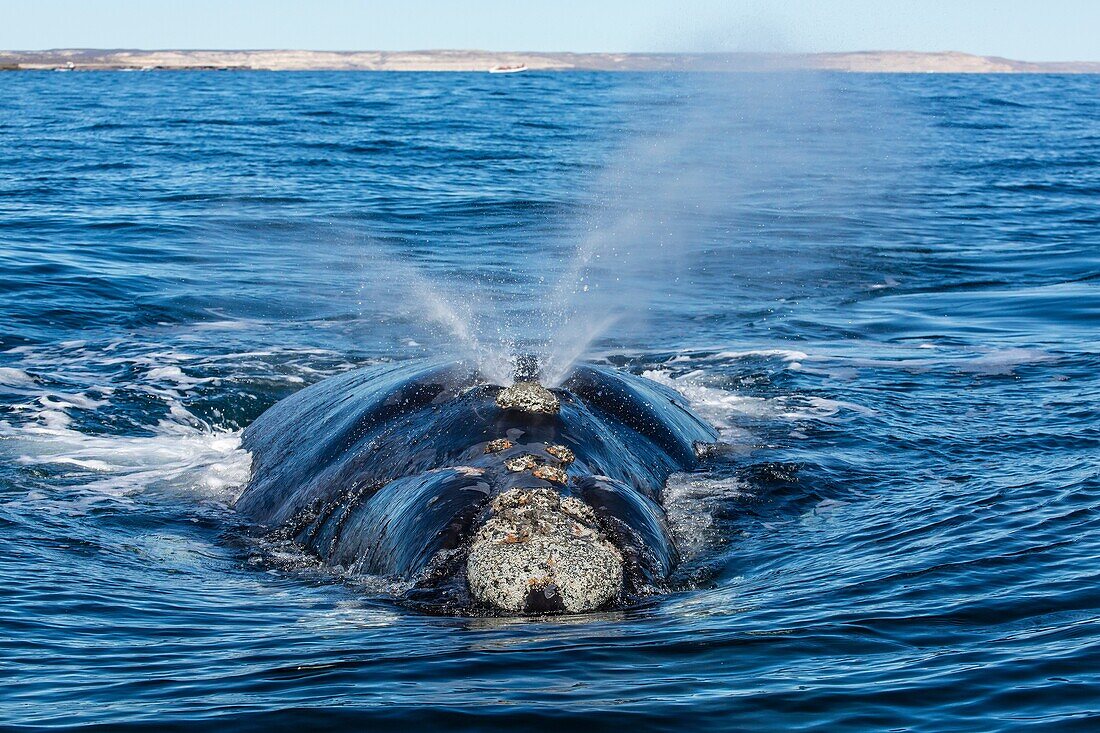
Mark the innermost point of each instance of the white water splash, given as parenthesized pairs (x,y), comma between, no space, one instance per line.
(725,409)
(178,458)
(46,428)
(731,153)
(690,503)
(15,377)
(494,358)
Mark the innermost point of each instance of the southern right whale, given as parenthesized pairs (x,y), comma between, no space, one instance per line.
(486,499)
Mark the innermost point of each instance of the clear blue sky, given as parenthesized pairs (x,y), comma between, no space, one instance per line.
(1054,30)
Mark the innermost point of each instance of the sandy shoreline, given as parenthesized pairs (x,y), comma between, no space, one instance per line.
(295,60)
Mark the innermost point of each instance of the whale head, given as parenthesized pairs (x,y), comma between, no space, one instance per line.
(509,500)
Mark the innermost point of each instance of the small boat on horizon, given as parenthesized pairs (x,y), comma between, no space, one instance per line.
(508,69)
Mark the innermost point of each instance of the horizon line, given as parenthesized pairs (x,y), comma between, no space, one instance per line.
(441,49)
(277,59)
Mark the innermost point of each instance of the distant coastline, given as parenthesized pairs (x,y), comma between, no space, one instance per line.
(949,62)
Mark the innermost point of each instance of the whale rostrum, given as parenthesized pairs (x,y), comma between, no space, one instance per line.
(542,552)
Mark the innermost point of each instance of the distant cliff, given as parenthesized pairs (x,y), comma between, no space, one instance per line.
(863,61)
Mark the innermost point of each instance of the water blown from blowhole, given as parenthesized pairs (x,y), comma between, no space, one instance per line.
(711,161)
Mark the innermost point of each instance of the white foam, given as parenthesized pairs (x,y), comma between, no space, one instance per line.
(1002,362)
(690,501)
(55,419)
(788,355)
(15,377)
(176,377)
(49,429)
(227,325)
(62,401)
(994,362)
(724,408)
(717,406)
(181,455)
(178,458)
(349,615)
(888,283)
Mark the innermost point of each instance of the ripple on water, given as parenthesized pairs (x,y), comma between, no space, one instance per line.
(883,291)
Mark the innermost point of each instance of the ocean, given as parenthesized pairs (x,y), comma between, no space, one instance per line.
(883,290)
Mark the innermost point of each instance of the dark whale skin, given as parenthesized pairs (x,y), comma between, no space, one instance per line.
(383,470)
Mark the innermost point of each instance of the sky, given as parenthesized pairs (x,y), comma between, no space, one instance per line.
(1053,30)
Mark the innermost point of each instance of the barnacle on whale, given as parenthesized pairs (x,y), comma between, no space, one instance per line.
(522,463)
(549,473)
(562,453)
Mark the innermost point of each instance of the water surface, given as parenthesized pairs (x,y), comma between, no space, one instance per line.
(887,299)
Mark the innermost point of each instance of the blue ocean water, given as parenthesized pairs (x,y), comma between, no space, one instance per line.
(882,289)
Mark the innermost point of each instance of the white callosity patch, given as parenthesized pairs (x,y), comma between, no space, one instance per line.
(528,397)
(539,542)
